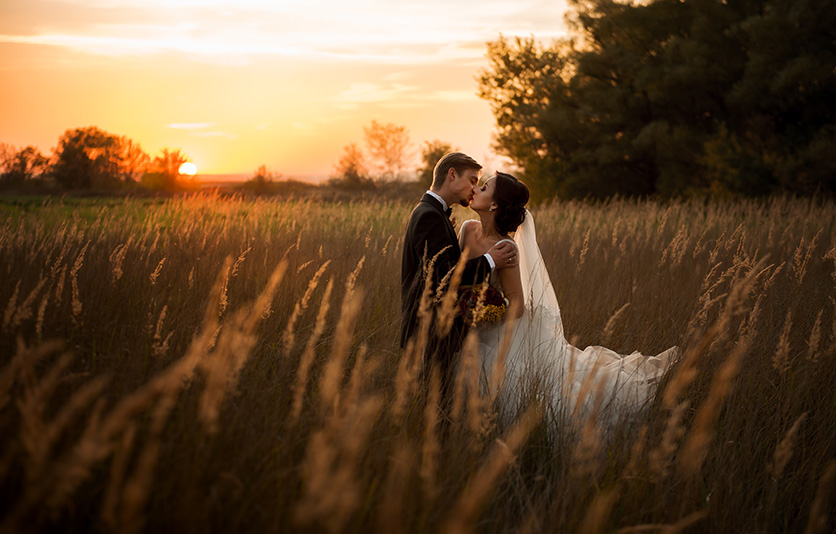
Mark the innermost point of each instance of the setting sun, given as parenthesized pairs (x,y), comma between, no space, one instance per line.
(188,168)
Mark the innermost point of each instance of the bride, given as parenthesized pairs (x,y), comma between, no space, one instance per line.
(529,352)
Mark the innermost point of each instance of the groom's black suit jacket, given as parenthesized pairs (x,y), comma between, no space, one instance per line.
(429,232)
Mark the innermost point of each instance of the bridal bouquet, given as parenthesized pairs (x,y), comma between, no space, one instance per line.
(482,304)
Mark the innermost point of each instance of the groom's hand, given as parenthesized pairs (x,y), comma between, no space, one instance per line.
(504,255)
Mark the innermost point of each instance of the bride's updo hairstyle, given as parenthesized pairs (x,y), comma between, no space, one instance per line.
(510,196)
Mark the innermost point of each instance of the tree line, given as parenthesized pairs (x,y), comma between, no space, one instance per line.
(672,98)
(90,158)
(386,159)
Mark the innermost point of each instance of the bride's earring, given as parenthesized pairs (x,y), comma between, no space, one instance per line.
(491,208)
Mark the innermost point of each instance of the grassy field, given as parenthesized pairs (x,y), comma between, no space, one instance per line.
(218,364)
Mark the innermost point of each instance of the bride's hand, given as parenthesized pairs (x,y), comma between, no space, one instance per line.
(504,255)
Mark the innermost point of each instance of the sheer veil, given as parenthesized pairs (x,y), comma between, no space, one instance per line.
(536,284)
(538,350)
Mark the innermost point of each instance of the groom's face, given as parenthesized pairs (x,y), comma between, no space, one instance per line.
(464,185)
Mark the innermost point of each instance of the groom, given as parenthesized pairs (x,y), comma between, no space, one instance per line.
(430,234)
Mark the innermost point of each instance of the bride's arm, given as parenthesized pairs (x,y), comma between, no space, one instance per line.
(511,282)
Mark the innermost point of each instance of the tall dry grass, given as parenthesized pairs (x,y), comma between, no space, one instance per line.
(214,364)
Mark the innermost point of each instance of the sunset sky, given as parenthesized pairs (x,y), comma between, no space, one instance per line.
(238,84)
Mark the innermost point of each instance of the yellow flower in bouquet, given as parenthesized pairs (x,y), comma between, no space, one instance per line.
(482,304)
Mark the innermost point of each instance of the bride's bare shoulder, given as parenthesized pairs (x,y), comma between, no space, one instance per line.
(467,232)
(469,226)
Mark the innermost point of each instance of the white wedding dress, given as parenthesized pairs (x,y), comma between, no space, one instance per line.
(532,361)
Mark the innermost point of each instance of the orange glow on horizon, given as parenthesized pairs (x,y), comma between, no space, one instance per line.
(254,82)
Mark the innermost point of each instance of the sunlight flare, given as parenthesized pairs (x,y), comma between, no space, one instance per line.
(188,169)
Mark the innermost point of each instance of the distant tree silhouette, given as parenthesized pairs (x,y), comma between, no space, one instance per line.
(7,152)
(134,161)
(388,146)
(264,175)
(25,164)
(92,158)
(263,181)
(430,154)
(352,172)
(164,171)
(267,182)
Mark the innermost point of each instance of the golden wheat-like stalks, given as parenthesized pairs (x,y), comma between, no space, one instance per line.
(111,503)
(780,360)
(694,450)
(24,310)
(637,453)
(308,355)
(595,519)
(394,506)
(239,261)
(674,528)
(464,513)
(116,259)
(821,512)
(467,379)
(331,492)
(432,447)
(801,258)
(783,452)
(412,358)
(156,274)
(76,300)
(223,366)
(448,291)
(662,456)
(606,335)
(289,336)
(334,370)
(11,307)
(814,342)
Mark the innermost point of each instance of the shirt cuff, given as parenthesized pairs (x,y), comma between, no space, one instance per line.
(490,261)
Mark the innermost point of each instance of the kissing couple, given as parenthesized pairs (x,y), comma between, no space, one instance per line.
(529,347)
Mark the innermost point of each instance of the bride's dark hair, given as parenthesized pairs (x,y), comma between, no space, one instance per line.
(510,196)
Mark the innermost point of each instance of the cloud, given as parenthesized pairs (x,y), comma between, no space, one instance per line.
(194,129)
(396,96)
(364,92)
(452,96)
(398,76)
(225,135)
(190,125)
(362,30)
(304,128)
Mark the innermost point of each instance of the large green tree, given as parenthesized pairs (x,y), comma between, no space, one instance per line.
(672,97)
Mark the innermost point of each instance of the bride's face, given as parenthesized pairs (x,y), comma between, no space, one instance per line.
(483,195)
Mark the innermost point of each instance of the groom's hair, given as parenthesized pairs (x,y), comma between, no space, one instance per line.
(454,160)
